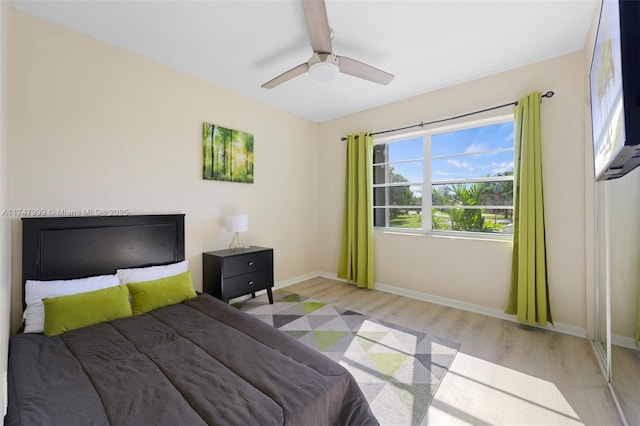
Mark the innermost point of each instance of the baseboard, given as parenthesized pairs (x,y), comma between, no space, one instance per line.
(478,309)
(625,342)
(295,280)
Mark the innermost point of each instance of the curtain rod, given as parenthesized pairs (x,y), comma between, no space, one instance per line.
(422,124)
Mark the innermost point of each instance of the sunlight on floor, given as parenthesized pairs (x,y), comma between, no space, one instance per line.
(503,397)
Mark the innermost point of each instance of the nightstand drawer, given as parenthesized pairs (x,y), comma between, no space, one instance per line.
(247,283)
(249,262)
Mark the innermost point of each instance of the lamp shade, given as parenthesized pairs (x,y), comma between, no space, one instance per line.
(238,223)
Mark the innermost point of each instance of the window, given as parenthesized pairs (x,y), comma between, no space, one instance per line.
(468,171)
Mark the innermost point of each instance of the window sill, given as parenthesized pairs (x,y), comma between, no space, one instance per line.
(444,234)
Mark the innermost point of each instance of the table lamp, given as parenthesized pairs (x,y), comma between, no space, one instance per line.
(237,224)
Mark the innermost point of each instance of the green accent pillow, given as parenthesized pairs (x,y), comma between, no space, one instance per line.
(66,313)
(150,295)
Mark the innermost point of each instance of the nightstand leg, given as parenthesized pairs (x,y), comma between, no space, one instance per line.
(253,295)
(270,294)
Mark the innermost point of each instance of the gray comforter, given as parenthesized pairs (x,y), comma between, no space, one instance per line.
(195,363)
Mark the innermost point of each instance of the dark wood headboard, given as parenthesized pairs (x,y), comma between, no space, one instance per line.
(56,248)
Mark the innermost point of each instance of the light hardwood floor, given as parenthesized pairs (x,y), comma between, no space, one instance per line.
(504,374)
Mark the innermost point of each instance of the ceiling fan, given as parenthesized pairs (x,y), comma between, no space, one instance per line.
(323,64)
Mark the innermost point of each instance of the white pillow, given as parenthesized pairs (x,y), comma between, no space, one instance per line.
(136,275)
(35,291)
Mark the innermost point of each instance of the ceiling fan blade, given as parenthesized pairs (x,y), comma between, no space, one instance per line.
(286,76)
(315,13)
(359,69)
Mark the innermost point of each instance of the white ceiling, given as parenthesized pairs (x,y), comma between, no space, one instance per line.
(241,44)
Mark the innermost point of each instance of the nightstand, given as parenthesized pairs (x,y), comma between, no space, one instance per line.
(231,273)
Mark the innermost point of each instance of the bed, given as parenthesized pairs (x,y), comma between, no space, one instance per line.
(196,362)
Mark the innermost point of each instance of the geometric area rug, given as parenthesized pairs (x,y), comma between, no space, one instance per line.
(398,369)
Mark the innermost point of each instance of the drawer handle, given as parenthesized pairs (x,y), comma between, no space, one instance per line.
(250,263)
(250,282)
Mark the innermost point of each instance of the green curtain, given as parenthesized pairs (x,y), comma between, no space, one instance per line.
(356,251)
(529,290)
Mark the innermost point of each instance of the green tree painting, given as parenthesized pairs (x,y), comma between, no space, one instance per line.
(227,154)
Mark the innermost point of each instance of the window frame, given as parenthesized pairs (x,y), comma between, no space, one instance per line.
(427,182)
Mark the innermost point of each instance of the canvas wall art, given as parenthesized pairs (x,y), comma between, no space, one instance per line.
(228,154)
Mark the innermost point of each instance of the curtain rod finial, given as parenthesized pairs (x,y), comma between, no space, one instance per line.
(549,94)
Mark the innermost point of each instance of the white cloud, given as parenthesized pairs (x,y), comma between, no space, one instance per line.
(502,167)
(475,147)
(460,164)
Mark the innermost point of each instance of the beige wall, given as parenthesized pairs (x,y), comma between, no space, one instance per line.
(475,271)
(5,229)
(94,126)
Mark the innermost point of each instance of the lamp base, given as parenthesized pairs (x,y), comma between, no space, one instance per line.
(235,243)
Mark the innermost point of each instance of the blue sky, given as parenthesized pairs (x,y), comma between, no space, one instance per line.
(466,141)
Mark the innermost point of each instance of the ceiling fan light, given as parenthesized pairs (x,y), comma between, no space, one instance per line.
(323,71)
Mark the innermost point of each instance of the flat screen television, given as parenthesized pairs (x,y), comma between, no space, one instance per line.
(615,90)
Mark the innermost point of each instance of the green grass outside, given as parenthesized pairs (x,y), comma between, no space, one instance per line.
(406,221)
(442,220)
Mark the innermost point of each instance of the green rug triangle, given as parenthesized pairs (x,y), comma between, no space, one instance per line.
(369,338)
(296,334)
(290,298)
(312,306)
(387,364)
(324,339)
